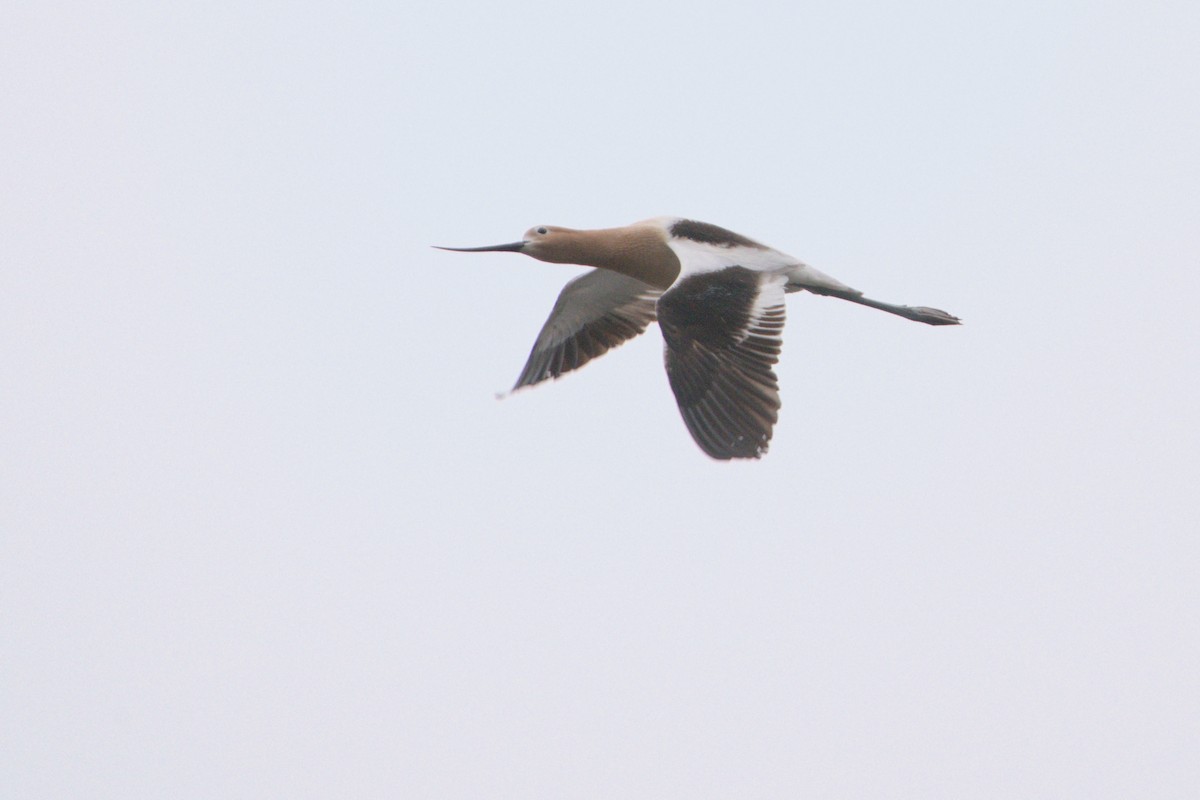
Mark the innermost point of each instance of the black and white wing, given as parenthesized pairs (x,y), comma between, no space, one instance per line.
(723,332)
(594,313)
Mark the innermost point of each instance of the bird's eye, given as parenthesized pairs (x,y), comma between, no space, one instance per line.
(542,231)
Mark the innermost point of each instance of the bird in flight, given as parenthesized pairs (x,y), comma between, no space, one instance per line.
(718,298)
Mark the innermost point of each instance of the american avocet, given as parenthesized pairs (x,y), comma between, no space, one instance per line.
(718,298)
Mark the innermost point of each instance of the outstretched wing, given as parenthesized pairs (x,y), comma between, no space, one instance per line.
(594,313)
(723,332)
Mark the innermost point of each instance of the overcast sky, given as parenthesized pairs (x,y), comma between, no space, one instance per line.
(265,530)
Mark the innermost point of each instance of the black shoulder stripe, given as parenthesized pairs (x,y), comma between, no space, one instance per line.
(705,233)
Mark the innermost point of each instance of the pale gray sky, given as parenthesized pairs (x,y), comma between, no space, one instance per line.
(265,531)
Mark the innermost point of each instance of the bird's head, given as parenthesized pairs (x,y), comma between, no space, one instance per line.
(543,242)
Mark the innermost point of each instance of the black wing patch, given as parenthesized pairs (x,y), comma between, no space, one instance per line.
(594,313)
(723,333)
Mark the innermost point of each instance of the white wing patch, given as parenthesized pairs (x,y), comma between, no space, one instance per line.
(699,257)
